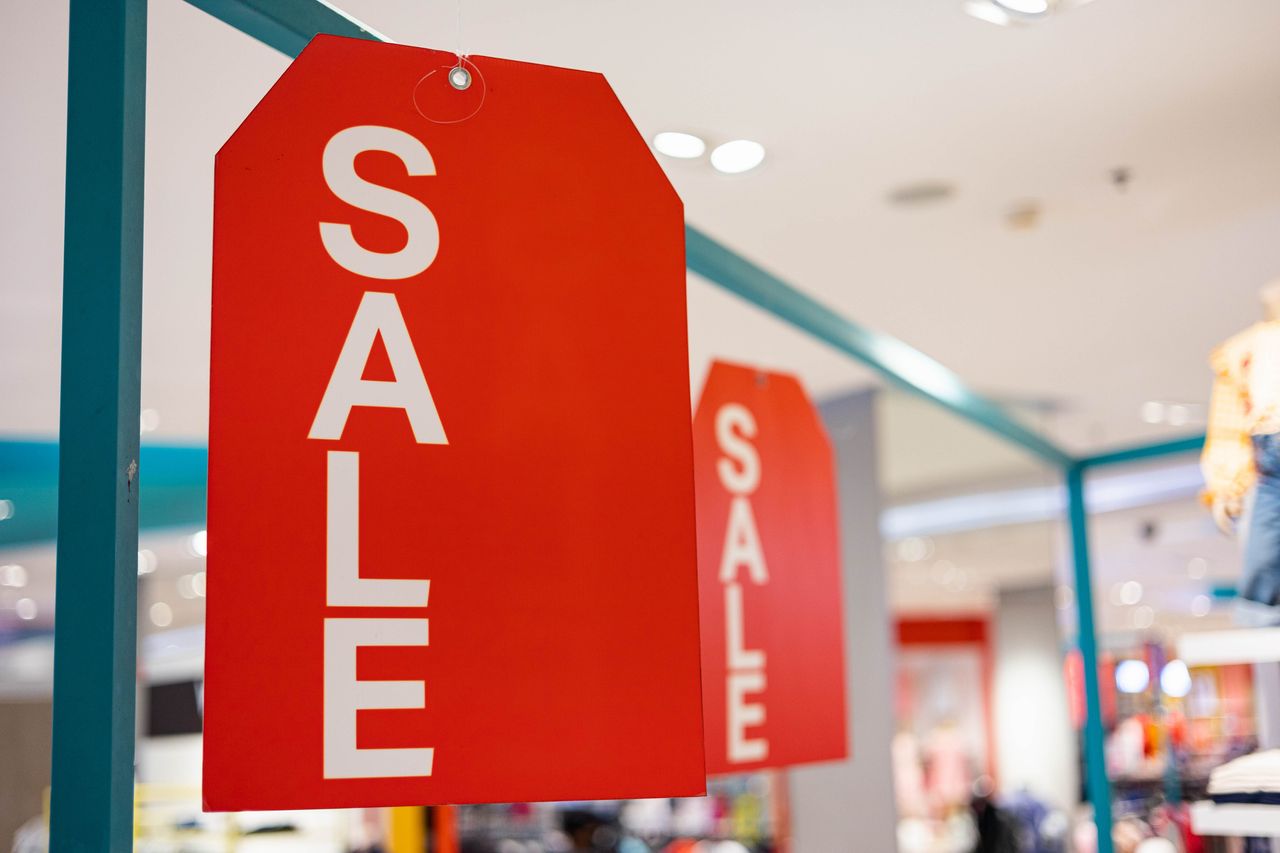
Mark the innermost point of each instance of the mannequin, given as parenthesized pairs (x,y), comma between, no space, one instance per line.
(1242,455)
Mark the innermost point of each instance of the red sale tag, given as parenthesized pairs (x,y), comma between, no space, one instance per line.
(769,574)
(451,512)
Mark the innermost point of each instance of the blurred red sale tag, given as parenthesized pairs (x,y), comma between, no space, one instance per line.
(773,688)
(451,512)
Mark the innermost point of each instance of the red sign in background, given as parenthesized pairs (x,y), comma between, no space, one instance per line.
(493,312)
(769,574)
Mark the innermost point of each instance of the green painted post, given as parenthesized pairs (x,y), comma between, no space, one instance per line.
(287,25)
(94,644)
(895,360)
(1145,452)
(1095,761)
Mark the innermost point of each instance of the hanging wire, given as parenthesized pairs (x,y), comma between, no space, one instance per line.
(459,33)
(460,75)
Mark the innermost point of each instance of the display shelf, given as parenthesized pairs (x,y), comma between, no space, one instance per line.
(1244,645)
(1212,819)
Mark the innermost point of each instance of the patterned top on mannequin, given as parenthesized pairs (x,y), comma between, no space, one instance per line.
(1245,403)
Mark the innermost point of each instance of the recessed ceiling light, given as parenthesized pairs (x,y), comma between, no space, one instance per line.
(161,615)
(1175,679)
(984,10)
(1132,676)
(685,146)
(913,549)
(198,544)
(740,155)
(26,609)
(13,575)
(1024,7)
(1173,414)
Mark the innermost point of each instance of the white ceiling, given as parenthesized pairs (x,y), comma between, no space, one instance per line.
(1114,299)
(1153,545)
(950,554)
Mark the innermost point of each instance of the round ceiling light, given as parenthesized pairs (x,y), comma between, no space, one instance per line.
(684,146)
(1175,679)
(198,544)
(985,10)
(1132,676)
(1024,7)
(740,155)
(161,615)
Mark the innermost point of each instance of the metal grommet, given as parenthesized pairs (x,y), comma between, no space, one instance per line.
(460,78)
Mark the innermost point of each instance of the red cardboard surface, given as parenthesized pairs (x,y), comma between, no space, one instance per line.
(548,498)
(773,674)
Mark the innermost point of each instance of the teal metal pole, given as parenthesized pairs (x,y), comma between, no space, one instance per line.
(1144,452)
(1095,761)
(890,357)
(94,674)
(286,25)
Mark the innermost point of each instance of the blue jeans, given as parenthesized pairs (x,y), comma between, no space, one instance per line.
(1261,579)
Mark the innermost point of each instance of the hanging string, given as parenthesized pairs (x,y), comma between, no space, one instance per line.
(459,33)
(460,75)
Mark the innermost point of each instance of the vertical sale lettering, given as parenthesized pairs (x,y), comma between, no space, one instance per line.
(735,426)
(768,574)
(378,316)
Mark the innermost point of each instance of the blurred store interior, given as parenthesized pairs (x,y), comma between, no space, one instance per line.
(1070,210)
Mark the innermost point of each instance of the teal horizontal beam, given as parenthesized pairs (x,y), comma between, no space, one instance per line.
(286,25)
(898,362)
(173,492)
(1142,452)
(171,495)
(25,461)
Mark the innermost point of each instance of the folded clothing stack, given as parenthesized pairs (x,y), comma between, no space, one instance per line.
(1249,779)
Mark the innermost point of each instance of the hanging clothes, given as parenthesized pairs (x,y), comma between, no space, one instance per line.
(1242,452)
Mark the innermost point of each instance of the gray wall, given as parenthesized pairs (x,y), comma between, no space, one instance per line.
(849,806)
(1035,743)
